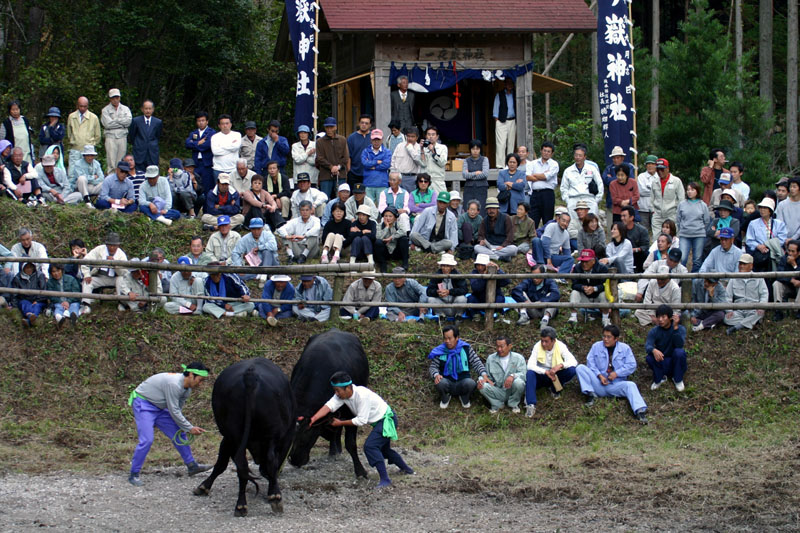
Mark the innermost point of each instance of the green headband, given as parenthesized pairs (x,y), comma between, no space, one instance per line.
(201,373)
(343,384)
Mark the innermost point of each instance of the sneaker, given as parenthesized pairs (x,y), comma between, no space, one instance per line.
(591,398)
(324,258)
(292,259)
(90,205)
(121,307)
(733,329)
(42,202)
(679,386)
(698,327)
(524,320)
(408,471)
(335,259)
(86,309)
(302,259)
(31,202)
(530,410)
(555,394)
(444,403)
(641,416)
(134,480)
(515,409)
(494,410)
(73,317)
(254,313)
(196,468)
(466,405)
(272,321)
(606,320)
(655,386)
(573,318)
(262,280)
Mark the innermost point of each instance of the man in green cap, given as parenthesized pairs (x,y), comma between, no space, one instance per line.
(157,402)
(435,229)
(645,182)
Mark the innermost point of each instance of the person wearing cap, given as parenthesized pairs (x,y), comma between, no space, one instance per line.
(258,203)
(225,145)
(765,237)
(98,277)
(333,158)
(117,191)
(27,247)
(259,242)
(86,175)
(54,182)
(222,242)
(711,173)
(83,127)
(249,142)
(407,158)
(405,290)
(550,365)
(30,305)
(478,286)
(158,403)
(310,289)
(181,186)
(422,197)
(273,147)
(505,377)
(279,287)
(51,133)
(533,290)
(611,173)
(304,155)
(376,161)
(184,288)
(227,285)
(496,233)
(726,187)
(435,228)
(199,142)
(788,288)
(450,366)
(240,179)
(722,258)
(672,260)
(155,198)
(665,342)
(433,157)
(305,192)
(342,194)
(391,242)
(692,219)
(359,198)
(398,198)
(357,142)
(745,290)
(63,307)
(553,249)
(588,290)
(609,363)
(713,293)
(659,291)
(575,225)
(144,134)
(788,211)
(455,203)
(301,235)
(362,234)
(645,181)
(116,119)
(222,200)
(365,289)
(582,181)
(724,219)
(667,193)
(448,290)
(136,284)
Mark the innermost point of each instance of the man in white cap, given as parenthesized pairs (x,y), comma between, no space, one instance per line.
(279,287)
(222,200)
(54,182)
(184,288)
(478,286)
(496,233)
(455,203)
(155,197)
(342,194)
(659,291)
(116,118)
(447,290)
(365,289)
(744,290)
(86,175)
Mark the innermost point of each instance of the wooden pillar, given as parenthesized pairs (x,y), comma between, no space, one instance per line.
(491,291)
(152,287)
(613,287)
(338,281)
(383,112)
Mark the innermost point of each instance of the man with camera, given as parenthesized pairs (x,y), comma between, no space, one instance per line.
(434,158)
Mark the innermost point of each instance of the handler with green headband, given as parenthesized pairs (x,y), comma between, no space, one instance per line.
(369,408)
(157,402)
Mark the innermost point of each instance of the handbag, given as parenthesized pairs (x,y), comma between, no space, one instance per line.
(504,196)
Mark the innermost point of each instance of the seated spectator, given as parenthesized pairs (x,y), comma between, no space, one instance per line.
(592,236)
(726,187)
(724,219)
(365,289)
(64,307)
(258,203)
(553,248)
(588,290)
(27,247)
(450,367)
(624,191)
(279,287)
(664,345)
(197,185)
(86,175)
(376,161)
(422,197)
(219,285)
(221,200)
(447,290)
(713,293)
(184,289)
(30,305)
(765,237)
(723,258)
(136,284)
(619,252)
(335,234)
(496,234)
(241,179)
(260,243)
(575,223)
(279,187)
(24,181)
(435,228)
(638,236)
(159,257)
(659,291)
(155,198)
(222,242)
(787,288)
(551,365)
(693,218)
(304,193)
(536,289)
(99,277)
(116,191)
(608,365)
(524,229)
(54,183)
(478,287)
(197,255)
(301,235)
(184,194)
(403,290)
(359,198)
(455,203)
(744,290)
(341,196)
(663,242)
(469,224)
(312,288)
(78,250)
(505,380)
(672,262)
(668,227)
(362,235)
(391,242)
(135,174)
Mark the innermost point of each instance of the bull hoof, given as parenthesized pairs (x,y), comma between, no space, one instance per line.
(241,510)
(201,491)
(276,503)
(362,474)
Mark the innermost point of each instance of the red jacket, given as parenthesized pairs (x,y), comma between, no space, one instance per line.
(707,177)
(619,192)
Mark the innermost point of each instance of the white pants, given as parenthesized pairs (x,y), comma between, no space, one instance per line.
(505,140)
(506,254)
(71,198)
(578,297)
(404,223)
(333,240)
(115,150)
(82,184)
(211,220)
(100,281)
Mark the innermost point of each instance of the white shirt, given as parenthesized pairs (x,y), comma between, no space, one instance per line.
(296,226)
(315,196)
(200,136)
(566,355)
(539,166)
(367,406)
(575,185)
(226,150)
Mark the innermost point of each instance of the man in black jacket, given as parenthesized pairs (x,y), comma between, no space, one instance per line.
(446,290)
(588,290)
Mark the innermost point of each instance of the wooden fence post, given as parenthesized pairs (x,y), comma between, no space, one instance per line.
(613,287)
(338,281)
(491,291)
(152,287)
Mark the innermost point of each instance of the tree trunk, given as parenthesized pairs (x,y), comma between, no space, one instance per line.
(791,86)
(655,50)
(765,70)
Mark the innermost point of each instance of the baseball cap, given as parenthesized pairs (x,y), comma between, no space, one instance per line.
(376,134)
(306,277)
(726,233)
(443,196)
(183,260)
(587,254)
(223,219)
(746,259)
(344,187)
(675,254)
(113,92)
(662,163)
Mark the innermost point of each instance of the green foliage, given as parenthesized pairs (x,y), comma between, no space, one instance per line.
(565,136)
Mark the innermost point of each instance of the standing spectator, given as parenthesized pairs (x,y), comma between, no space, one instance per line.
(222,242)
(788,211)
(64,307)
(365,289)
(312,289)
(116,192)
(765,237)
(30,305)
(692,220)
(17,130)
(659,291)
(304,155)
(397,197)
(407,158)
(229,286)
(333,158)
(277,185)
(184,289)
(543,180)
(478,294)
(450,365)
(98,277)
(511,184)
(447,290)
(505,380)
(582,181)
(737,182)
(51,133)
(536,289)
(637,235)
(390,241)
(362,235)
(396,137)
(304,193)
(273,147)
(249,142)
(619,252)
(155,198)
(301,235)
(375,161)
(553,249)
(54,182)
(434,158)
(611,173)
(711,173)
(357,142)
(524,229)
(667,193)
(258,203)
(588,290)
(622,191)
(504,112)
(335,234)
(550,365)
(83,127)
(422,197)
(402,105)
(403,290)
(496,234)
(116,119)
(182,187)
(199,142)
(225,145)
(240,180)
(222,200)
(279,287)
(592,236)
(713,293)
(435,228)
(745,291)
(788,287)
(645,182)
(86,175)
(476,174)
(666,356)
(144,135)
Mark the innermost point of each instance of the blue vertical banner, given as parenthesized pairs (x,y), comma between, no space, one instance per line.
(302,17)
(614,69)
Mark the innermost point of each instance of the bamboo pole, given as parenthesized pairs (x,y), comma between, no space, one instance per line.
(316,67)
(491,292)
(633,88)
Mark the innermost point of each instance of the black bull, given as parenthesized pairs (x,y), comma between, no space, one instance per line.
(255,410)
(324,355)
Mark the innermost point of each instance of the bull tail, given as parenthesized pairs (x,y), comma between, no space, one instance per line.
(250,385)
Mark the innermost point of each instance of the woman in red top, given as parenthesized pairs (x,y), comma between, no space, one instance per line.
(624,191)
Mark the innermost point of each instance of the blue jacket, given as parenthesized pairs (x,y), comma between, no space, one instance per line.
(279,153)
(145,140)
(376,175)
(233,207)
(269,293)
(205,149)
(622,360)
(517,190)
(665,339)
(49,135)
(548,292)
(234,288)
(356,144)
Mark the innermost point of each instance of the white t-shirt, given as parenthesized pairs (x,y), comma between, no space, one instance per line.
(226,150)
(367,406)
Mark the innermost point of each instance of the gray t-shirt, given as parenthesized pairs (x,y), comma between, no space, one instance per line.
(166,391)
(559,238)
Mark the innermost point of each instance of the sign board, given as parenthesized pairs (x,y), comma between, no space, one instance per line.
(454,54)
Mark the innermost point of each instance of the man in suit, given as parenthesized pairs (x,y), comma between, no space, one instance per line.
(199,142)
(144,134)
(402,101)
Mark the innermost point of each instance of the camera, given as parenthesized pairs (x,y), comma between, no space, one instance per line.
(426,143)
